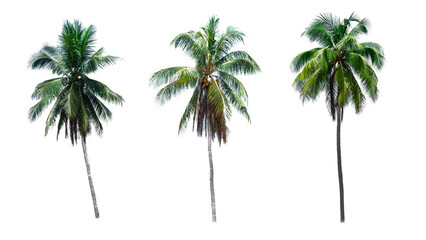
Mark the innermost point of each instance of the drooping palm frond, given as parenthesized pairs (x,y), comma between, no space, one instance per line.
(189,110)
(234,99)
(363,69)
(234,84)
(102,91)
(373,52)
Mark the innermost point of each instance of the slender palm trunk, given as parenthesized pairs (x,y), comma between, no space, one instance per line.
(213,199)
(89,176)
(339,165)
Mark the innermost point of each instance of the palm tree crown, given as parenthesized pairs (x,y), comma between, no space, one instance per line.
(77,98)
(338,63)
(215,87)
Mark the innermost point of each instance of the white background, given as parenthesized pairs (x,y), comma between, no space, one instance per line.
(275,179)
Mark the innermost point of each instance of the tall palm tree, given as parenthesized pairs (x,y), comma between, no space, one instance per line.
(212,79)
(338,68)
(77,98)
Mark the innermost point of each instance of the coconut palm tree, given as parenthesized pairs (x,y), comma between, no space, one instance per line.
(77,99)
(341,67)
(215,88)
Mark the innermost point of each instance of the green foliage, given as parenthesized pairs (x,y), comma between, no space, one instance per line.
(215,86)
(339,64)
(77,98)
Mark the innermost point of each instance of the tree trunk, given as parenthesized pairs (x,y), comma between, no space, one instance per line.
(89,176)
(339,165)
(213,200)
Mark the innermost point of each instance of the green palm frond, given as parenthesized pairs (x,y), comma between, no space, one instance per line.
(236,55)
(100,109)
(91,114)
(227,40)
(317,33)
(360,28)
(102,91)
(56,109)
(342,90)
(357,97)
(239,66)
(62,121)
(234,84)
(168,75)
(374,53)
(217,99)
(348,44)
(234,99)
(192,43)
(98,61)
(183,79)
(363,69)
(211,30)
(189,110)
(50,58)
(49,88)
(300,60)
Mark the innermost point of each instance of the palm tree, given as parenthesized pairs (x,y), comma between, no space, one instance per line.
(337,68)
(212,79)
(77,98)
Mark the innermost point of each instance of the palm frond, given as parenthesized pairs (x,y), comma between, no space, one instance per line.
(357,98)
(342,92)
(227,40)
(98,61)
(374,53)
(238,63)
(101,110)
(48,89)
(360,28)
(184,79)
(102,91)
(91,114)
(234,99)
(62,121)
(216,98)
(49,58)
(71,102)
(168,75)
(234,84)
(211,30)
(317,33)
(189,110)
(300,60)
(56,109)
(363,69)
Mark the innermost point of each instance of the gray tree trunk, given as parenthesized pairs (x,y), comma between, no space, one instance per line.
(339,165)
(213,200)
(89,176)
